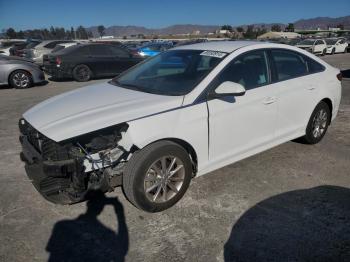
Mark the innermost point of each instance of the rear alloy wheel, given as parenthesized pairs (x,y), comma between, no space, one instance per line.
(156,177)
(318,124)
(82,73)
(21,79)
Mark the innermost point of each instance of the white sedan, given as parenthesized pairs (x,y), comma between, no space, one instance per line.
(181,114)
(315,46)
(336,45)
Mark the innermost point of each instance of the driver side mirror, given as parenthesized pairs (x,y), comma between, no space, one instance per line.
(227,88)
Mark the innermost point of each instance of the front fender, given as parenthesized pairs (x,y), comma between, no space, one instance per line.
(189,124)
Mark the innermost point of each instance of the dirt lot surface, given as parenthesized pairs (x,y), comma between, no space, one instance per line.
(290,203)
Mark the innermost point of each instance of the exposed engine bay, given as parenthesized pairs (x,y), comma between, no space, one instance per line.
(63,172)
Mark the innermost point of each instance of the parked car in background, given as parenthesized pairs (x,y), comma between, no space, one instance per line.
(36,53)
(153,49)
(315,46)
(85,61)
(5,45)
(183,113)
(336,45)
(18,49)
(19,72)
(17,46)
(58,48)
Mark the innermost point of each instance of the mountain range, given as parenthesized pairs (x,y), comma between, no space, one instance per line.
(312,23)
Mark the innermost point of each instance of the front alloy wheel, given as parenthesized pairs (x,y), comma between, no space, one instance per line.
(164,179)
(157,176)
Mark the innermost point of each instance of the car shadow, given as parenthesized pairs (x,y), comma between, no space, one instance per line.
(302,225)
(86,238)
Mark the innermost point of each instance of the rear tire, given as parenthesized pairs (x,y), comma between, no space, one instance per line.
(333,51)
(148,182)
(318,124)
(82,73)
(20,79)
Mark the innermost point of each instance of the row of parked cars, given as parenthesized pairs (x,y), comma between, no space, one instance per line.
(22,61)
(324,46)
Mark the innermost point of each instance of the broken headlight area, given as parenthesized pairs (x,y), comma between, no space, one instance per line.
(64,172)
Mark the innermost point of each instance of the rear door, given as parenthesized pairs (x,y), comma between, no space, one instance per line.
(296,91)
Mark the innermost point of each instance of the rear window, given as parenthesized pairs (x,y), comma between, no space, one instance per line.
(288,64)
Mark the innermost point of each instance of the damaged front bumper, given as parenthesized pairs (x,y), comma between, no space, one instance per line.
(64,173)
(60,182)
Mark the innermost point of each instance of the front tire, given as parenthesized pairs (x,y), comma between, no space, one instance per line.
(318,124)
(157,177)
(82,73)
(20,79)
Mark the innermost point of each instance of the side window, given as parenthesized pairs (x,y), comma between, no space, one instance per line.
(249,70)
(288,64)
(99,50)
(82,50)
(313,66)
(119,52)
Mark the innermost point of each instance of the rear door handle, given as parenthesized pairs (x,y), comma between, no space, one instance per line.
(269,100)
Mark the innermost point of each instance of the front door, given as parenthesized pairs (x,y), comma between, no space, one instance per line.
(239,125)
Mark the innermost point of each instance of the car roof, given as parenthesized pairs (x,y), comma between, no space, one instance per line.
(221,46)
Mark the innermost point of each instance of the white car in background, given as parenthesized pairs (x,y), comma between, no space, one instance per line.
(336,45)
(183,113)
(315,46)
(44,48)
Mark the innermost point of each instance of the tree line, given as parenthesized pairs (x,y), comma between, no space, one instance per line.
(52,33)
(252,31)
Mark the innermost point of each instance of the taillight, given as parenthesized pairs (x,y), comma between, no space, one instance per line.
(58,61)
(339,76)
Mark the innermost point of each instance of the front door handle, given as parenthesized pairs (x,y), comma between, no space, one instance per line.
(269,100)
(311,88)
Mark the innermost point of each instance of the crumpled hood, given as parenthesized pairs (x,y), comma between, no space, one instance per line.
(94,107)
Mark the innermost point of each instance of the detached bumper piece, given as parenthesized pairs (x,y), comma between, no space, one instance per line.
(58,181)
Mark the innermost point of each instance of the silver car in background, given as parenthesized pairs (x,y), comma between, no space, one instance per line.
(19,72)
(44,48)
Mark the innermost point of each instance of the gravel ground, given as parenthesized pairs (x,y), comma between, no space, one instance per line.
(290,203)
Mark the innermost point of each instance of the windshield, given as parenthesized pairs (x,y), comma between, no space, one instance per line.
(172,73)
(331,41)
(306,42)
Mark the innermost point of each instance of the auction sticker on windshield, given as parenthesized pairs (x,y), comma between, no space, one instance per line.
(213,54)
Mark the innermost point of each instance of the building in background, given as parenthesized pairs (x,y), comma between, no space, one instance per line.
(279,35)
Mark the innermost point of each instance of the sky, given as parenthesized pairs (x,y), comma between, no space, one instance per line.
(29,14)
